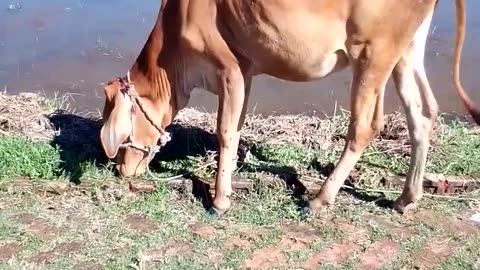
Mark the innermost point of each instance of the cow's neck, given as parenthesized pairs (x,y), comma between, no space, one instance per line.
(145,72)
(153,72)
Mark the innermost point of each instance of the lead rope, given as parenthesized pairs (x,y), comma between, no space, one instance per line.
(164,136)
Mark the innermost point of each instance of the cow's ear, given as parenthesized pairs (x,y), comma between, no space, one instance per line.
(111,91)
(118,126)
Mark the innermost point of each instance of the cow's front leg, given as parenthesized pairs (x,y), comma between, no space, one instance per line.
(248,84)
(231,99)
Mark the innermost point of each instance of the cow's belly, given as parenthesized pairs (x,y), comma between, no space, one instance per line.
(295,42)
(299,67)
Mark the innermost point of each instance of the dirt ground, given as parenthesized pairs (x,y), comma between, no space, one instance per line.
(110,227)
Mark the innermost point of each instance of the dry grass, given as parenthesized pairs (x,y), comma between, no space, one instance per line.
(31,115)
(309,131)
(312,132)
(36,117)
(23,114)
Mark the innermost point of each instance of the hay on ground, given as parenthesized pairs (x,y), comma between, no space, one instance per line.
(25,115)
(312,132)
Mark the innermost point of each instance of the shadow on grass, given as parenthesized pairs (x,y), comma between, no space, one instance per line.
(298,190)
(360,195)
(379,200)
(78,141)
(287,174)
(186,141)
(292,182)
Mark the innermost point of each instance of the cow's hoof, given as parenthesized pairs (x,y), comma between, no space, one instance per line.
(306,211)
(403,206)
(317,205)
(220,206)
(213,211)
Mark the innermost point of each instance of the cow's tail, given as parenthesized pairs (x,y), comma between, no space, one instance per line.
(471,107)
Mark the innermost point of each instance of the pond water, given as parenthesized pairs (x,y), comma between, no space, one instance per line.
(74,46)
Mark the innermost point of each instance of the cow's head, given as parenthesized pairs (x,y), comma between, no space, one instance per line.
(126,129)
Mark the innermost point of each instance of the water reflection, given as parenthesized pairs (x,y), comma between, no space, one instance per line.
(74,46)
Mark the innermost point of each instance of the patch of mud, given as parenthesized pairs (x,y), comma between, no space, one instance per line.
(460,227)
(436,251)
(38,227)
(9,250)
(379,254)
(25,218)
(77,221)
(453,225)
(140,223)
(335,254)
(202,230)
(214,257)
(248,233)
(141,186)
(297,237)
(158,255)
(340,250)
(89,265)
(265,258)
(237,242)
(53,188)
(112,192)
(17,186)
(62,249)
(353,233)
(402,231)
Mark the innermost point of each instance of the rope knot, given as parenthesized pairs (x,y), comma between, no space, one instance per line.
(165,138)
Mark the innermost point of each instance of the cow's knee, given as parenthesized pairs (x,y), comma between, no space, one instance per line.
(361,134)
(232,79)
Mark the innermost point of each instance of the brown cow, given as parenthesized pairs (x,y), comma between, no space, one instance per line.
(219,45)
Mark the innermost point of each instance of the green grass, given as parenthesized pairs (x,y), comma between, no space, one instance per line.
(23,158)
(456,153)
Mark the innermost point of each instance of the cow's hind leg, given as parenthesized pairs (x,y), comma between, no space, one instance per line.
(370,74)
(421,110)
